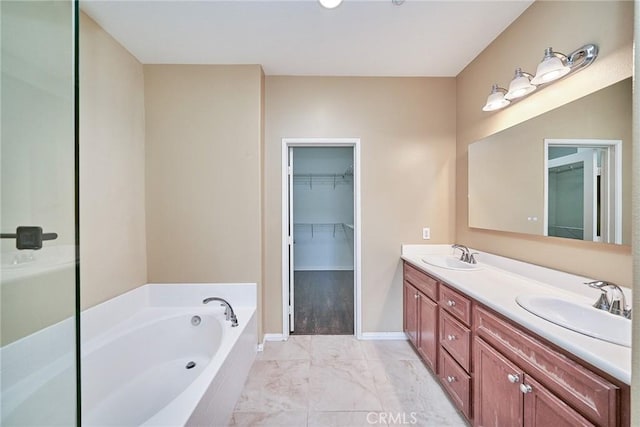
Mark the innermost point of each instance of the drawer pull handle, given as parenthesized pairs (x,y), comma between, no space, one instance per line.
(451,379)
(513,378)
(451,303)
(451,337)
(525,388)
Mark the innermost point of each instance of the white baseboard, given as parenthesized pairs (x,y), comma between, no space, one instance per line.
(383,336)
(272,337)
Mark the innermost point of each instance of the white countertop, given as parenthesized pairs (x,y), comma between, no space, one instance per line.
(501,280)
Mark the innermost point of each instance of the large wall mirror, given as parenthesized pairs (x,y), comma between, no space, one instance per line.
(565,173)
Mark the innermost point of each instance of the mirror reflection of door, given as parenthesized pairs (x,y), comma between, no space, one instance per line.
(583,180)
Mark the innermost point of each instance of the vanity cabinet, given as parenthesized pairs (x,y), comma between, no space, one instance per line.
(520,381)
(499,374)
(421,314)
(455,341)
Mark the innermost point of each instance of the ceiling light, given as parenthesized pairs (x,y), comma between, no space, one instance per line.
(554,66)
(496,100)
(520,85)
(330,4)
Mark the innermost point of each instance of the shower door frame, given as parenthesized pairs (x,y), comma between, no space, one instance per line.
(287,242)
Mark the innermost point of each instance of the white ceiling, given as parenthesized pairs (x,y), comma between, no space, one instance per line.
(299,37)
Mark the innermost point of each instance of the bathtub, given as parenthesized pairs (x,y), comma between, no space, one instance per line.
(155,356)
(166,359)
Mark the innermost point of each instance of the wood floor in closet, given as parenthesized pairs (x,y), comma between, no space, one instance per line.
(323,303)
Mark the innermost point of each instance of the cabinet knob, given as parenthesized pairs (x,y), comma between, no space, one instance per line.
(451,337)
(513,378)
(416,296)
(451,379)
(525,388)
(451,303)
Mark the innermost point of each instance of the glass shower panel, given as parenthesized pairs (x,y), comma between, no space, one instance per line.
(37,214)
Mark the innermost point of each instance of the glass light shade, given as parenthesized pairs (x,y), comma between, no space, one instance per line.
(495,100)
(551,68)
(519,86)
(330,4)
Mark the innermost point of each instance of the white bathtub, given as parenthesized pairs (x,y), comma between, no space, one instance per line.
(135,350)
(134,367)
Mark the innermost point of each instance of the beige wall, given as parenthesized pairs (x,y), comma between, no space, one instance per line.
(407,132)
(608,24)
(112,182)
(203,173)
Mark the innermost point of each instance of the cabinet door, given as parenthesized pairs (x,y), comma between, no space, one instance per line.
(497,397)
(427,331)
(411,313)
(542,408)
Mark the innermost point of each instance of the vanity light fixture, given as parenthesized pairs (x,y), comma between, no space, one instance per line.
(330,4)
(554,66)
(496,99)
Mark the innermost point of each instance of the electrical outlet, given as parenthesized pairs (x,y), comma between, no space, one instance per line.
(426,233)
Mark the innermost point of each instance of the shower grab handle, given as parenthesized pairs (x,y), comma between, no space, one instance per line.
(29,237)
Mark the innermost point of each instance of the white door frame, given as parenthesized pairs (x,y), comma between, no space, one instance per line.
(613,204)
(322,142)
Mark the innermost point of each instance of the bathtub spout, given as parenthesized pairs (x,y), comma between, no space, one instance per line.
(228,311)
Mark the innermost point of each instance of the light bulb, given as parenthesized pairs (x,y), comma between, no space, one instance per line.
(330,4)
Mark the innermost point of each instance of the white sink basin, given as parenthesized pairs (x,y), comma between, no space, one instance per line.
(450,262)
(579,317)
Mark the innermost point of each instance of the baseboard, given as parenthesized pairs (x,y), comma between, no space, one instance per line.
(383,336)
(272,337)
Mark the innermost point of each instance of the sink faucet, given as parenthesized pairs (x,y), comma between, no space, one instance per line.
(465,256)
(228,311)
(617,304)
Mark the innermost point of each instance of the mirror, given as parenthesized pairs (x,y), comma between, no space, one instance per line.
(565,173)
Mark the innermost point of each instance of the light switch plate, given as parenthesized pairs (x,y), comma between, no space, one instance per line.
(426,233)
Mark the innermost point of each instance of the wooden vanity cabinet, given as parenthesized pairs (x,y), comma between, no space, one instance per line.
(506,396)
(455,351)
(521,381)
(421,314)
(499,374)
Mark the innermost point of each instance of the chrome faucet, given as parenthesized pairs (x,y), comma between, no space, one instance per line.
(617,304)
(228,311)
(465,256)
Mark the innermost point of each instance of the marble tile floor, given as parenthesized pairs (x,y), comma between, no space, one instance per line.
(336,380)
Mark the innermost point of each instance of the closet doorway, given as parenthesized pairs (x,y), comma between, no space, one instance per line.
(321,237)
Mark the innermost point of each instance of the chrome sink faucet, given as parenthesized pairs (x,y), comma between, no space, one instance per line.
(228,311)
(466,255)
(617,304)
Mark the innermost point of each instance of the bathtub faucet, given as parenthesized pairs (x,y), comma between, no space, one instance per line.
(228,311)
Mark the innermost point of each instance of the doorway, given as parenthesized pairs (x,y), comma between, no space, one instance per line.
(321,237)
(583,194)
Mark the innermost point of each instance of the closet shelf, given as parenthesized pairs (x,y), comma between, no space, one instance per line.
(320,227)
(322,179)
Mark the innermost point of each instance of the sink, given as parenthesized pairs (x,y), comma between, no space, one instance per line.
(450,262)
(579,317)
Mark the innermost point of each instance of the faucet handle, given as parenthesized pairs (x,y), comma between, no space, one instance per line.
(472,258)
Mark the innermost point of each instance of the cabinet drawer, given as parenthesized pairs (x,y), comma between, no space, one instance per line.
(456,304)
(456,339)
(590,394)
(457,383)
(425,284)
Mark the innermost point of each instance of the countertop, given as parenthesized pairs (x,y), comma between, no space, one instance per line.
(501,280)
